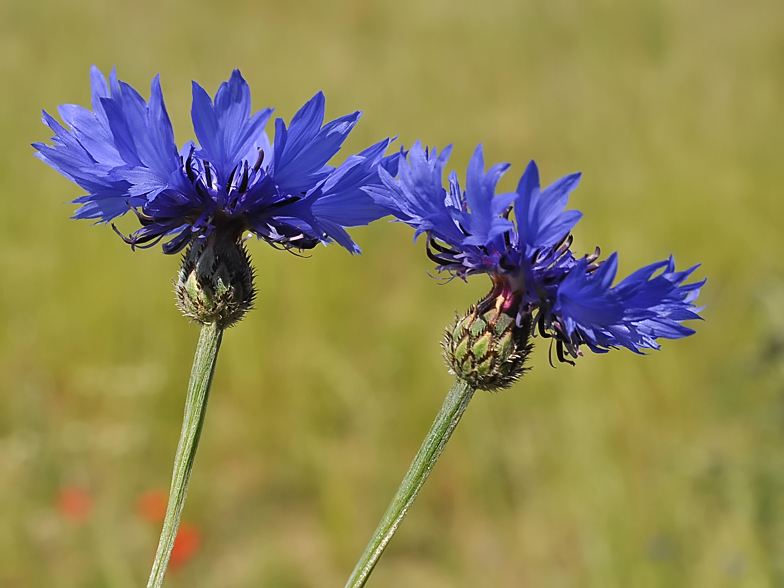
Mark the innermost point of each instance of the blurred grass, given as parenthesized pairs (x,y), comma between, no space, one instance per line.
(625,471)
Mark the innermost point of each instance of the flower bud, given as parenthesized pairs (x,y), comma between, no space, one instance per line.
(487,349)
(215,282)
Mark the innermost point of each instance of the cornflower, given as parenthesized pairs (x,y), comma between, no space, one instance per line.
(204,198)
(539,287)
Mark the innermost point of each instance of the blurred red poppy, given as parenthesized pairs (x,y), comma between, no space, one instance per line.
(151,505)
(185,545)
(74,503)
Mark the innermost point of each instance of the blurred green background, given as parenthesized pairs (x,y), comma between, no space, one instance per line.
(657,471)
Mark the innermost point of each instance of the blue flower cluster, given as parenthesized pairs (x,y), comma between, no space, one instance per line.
(535,275)
(124,155)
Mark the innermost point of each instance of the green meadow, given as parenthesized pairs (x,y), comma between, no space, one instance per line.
(657,471)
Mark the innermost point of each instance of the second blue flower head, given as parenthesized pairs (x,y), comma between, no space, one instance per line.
(536,278)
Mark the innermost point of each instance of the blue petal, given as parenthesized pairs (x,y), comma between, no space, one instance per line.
(484,223)
(226,131)
(344,197)
(121,152)
(541,220)
(301,152)
(584,300)
(652,307)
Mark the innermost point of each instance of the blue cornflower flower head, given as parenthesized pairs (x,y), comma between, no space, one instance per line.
(235,180)
(537,280)
(124,155)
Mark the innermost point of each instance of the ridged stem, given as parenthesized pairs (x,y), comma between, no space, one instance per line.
(192,422)
(448,417)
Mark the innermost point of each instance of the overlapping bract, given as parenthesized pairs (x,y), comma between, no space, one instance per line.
(124,155)
(533,270)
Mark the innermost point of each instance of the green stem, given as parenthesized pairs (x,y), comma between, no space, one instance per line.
(452,410)
(192,422)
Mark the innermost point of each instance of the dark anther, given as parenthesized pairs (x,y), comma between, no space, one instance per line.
(436,258)
(208,173)
(566,243)
(147,240)
(201,190)
(507,238)
(231,177)
(144,220)
(440,248)
(189,167)
(540,323)
(504,264)
(593,267)
(128,240)
(550,355)
(259,161)
(284,202)
(594,256)
(567,239)
(559,349)
(289,247)
(244,182)
(178,243)
(304,242)
(151,238)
